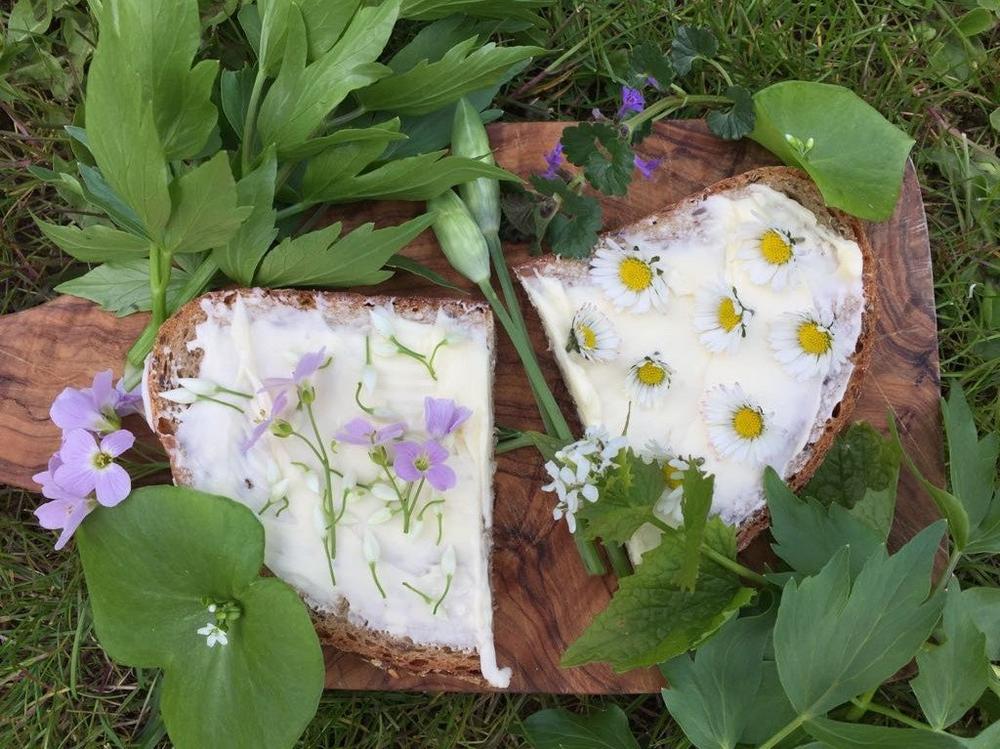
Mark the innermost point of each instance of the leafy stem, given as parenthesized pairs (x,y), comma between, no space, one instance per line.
(942,582)
(667,104)
(786,731)
(249,124)
(721,559)
(891,713)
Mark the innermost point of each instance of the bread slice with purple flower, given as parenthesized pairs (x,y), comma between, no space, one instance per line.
(732,328)
(360,431)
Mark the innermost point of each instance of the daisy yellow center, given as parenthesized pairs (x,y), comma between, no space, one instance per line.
(586,336)
(729,318)
(775,247)
(748,423)
(651,374)
(635,274)
(814,339)
(103,460)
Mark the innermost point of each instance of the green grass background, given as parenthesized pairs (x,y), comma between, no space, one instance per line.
(57,689)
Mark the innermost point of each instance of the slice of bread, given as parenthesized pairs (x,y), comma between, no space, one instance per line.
(240,338)
(696,243)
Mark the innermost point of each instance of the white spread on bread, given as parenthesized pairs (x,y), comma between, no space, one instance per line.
(699,246)
(239,349)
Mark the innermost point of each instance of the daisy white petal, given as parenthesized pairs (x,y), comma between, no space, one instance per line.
(592,335)
(649,379)
(739,428)
(808,345)
(770,253)
(633,279)
(720,317)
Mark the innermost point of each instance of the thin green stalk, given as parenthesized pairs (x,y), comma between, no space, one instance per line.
(894,714)
(860,706)
(159,276)
(786,731)
(591,558)
(513,443)
(294,209)
(620,562)
(942,582)
(654,110)
(722,560)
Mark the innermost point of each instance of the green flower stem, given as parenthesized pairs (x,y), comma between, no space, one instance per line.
(159,277)
(294,209)
(378,584)
(891,713)
(660,108)
(620,562)
(331,533)
(357,399)
(221,402)
(400,348)
(509,444)
(786,731)
(420,515)
(409,504)
(427,599)
(447,587)
(589,555)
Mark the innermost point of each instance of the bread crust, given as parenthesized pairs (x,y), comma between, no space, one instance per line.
(171,359)
(797,185)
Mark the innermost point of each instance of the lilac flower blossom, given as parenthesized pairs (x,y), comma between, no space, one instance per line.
(98,408)
(279,404)
(64,514)
(646,167)
(443,416)
(415,461)
(632,101)
(306,368)
(553,160)
(88,466)
(362,432)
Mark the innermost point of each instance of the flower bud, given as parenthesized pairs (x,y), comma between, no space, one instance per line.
(469,139)
(448,561)
(458,234)
(370,547)
(281,428)
(198,385)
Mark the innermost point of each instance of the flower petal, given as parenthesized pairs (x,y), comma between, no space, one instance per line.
(436,452)
(102,391)
(73,522)
(441,477)
(75,409)
(54,514)
(308,365)
(117,442)
(390,432)
(113,484)
(356,432)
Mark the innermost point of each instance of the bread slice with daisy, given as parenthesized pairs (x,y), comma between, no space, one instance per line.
(733,327)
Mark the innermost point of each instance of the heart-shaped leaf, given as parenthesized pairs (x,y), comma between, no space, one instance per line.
(154,565)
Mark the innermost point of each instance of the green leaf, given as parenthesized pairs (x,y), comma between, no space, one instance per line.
(607,160)
(628,494)
(385,132)
(808,535)
(857,158)
(560,729)
(737,121)
(954,674)
(326,171)
(983,606)
(839,735)
(431,85)
(695,505)
(972,462)
(650,619)
(326,21)
(995,119)
(771,708)
(28,18)
(99,193)
(976,21)
(648,61)
(319,258)
(205,212)
(425,10)
(690,44)
(835,639)
(409,265)
(121,287)
(95,243)
(235,89)
(572,232)
(239,257)
(712,696)
(151,563)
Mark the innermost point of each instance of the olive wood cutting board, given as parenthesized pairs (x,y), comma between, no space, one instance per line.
(543,597)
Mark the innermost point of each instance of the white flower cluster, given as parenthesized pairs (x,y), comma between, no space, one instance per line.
(576,470)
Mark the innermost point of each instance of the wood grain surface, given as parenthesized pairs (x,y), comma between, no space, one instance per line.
(543,597)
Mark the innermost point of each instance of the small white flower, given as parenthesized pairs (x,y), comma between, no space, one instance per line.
(416,526)
(632,279)
(649,379)
(369,378)
(592,335)
(179,395)
(213,635)
(576,469)
(738,427)
(769,253)
(384,492)
(212,608)
(720,317)
(382,319)
(807,345)
(448,561)
(198,385)
(370,547)
(380,516)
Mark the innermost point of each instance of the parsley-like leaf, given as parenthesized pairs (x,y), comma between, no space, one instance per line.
(572,231)
(606,158)
(690,44)
(95,243)
(122,287)
(241,255)
(736,121)
(628,493)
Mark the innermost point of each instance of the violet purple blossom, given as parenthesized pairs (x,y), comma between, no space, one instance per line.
(362,432)
(64,514)
(98,408)
(277,406)
(304,369)
(646,167)
(442,416)
(427,461)
(632,101)
(88,466)
(553,160)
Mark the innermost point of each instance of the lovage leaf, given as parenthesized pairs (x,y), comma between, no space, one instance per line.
(607,160)
(692,43)
(736,121)
(239,257)
(840,735)
(650,618)
(122,287)
(522,10)
(339,162)
(627,496)
(856,159)
(153,564)
(561,729)
(835,639)
(205,212)
(95,243)
(954,674)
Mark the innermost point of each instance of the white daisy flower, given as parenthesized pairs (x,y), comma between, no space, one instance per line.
(649,378)
(213,635)
(738,427)
(720,317)
(808,345)
(592,335)
(770,253)
(632,279)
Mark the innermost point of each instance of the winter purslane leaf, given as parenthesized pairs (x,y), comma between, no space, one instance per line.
(651,619)
(737,121)
(691,43)
(205,213)
(983,606)
(561,729)
(607,160)
(95,243)
(122,287)
(572,231)
(840,735)
(628,494)
(322,258)
(239,257)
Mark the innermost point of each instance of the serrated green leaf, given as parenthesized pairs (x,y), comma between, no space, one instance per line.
(972,462)
(808,535)
(95,243)
(560,729)
(385,132)
(698,489)
(628,494)
(607,160)
(99,193)
(323,258)
(426,10)
(646,62)
(151,563)
(409,265)
(325,172)
(431,85)
(840,735)
(650,619)
(572,232)
(122,287)
(835,639)
(738,120)
(983,606)
(205,213)
(326,21)
(860,175)
(692,43)
(954,674)
(239,257)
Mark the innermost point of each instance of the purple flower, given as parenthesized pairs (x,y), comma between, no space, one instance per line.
(87,465)
(65,514)
(279,404)
(306,368)
(129,401)
(632,101)
(94,408)
(362,432)
(414,461)
(51,489)
(553,160)
(443,416)
(646,167)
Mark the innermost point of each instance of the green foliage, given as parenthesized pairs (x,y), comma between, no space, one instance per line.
(122,286)
(696,503)
(648,61)
(859,463)
(606,158)
(692,43)
(153,565)
(738,120)
(95,243)
(628,493)
(572,231)
(205,212)
(239,257)
(561,729)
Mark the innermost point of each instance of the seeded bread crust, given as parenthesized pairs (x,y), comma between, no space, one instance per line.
(797,186)
(171,359)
